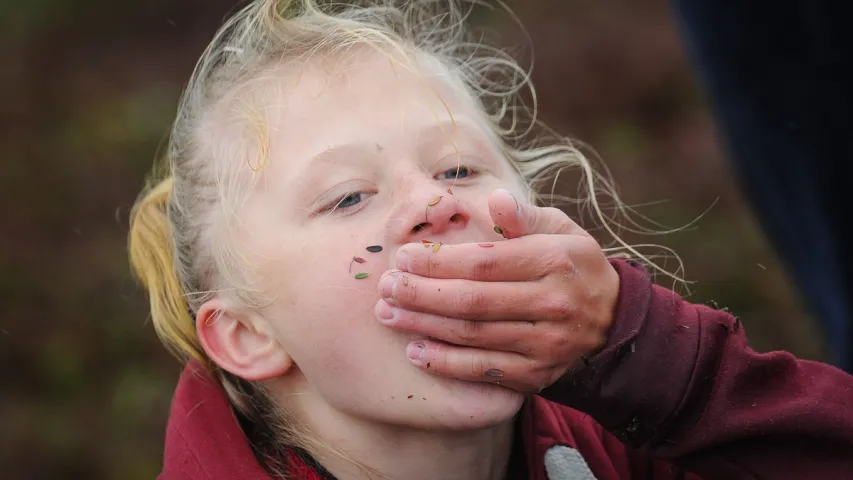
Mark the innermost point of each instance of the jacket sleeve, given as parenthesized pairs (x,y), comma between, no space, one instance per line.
(678,382)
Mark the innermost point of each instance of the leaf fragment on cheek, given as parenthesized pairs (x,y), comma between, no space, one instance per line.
(435,200)
(356,260)
(499,230)
(436,247)
(361,276)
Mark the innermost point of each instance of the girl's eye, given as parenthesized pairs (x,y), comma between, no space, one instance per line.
(456,173)
(350,200)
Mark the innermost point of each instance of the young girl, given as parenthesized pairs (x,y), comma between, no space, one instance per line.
(346,249)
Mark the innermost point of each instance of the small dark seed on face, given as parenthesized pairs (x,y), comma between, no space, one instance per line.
(410,396)
(358,260)
(499,230)
(374,248)
(428,364)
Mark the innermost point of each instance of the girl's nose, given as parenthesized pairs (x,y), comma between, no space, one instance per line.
(428,211)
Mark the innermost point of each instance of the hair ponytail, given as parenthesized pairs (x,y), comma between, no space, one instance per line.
(152,257)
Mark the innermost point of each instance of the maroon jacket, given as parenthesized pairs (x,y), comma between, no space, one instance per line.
(675,390)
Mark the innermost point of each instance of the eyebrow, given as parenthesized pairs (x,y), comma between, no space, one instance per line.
(426,135)
(461,127)
(428,132)
(306,176)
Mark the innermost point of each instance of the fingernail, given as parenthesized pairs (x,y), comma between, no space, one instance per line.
(517,205)
(415,352)
(385,311)
(386,286)
(402,260)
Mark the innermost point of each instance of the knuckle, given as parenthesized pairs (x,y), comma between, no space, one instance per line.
(440,361)
(432,265)
(470,331)
(558,306)
(555,339)
(561,259)
(412,294)
(484,267)
(588,242)
(537,373)
(555,212)
(471,302)
(479,366)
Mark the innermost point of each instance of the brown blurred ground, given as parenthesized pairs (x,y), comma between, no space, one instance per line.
(88,90)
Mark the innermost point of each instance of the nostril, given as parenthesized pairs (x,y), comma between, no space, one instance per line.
(456,218)
(420,226)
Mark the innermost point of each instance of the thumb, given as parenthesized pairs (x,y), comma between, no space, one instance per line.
(516,219)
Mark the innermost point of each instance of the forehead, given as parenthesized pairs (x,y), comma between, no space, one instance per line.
(368,98)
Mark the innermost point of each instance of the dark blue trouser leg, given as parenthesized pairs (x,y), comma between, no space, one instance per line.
(779,77)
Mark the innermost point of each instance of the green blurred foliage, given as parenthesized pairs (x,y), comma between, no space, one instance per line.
(88,94)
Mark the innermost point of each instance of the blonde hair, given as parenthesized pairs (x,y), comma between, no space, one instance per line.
(181,226)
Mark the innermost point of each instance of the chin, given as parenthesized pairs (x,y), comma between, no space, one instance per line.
(473,406)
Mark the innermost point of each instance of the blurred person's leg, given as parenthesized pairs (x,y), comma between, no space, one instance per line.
(779,78)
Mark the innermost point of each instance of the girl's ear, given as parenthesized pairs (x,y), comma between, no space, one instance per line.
(241,343)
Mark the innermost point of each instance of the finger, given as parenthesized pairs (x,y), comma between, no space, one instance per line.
(470,300)
(511,370)
(527,258)
(504,336)
(517,219)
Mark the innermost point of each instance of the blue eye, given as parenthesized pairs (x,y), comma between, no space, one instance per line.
(345,204)
(350,200)
(456,173)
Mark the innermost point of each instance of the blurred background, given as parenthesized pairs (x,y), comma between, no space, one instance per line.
(87,96)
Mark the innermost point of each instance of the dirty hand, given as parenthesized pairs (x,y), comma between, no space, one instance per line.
(519,312)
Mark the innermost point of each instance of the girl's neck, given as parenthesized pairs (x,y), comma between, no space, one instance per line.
(386,452)
(394,454)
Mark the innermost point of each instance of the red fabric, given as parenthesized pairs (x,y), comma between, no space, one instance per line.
(677,382)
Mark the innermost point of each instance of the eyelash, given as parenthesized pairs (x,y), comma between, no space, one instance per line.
(457,168)
(334,206)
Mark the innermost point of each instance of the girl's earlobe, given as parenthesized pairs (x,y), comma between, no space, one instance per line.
(241,343)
